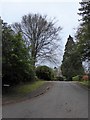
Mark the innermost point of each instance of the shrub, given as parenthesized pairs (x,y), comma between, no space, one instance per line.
(29,73)
(85,77)
(14,76)
(77,78)
(44,72)
(59,78)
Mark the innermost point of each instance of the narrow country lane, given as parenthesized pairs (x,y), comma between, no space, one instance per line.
(63,100)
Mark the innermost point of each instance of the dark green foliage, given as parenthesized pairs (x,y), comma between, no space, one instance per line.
(77,78)
(59,78)
(85,12)
(16,62)
(83,33)
(83,42)
(44,72)
(29,73)
(71,64)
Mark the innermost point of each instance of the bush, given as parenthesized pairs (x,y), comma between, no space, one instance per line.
(77,78)
(16,59)
(59,78)
(14,76)
(85,77)
(10,76)
(29,73)
(45,73)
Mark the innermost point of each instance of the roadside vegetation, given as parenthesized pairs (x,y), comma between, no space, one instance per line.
(20,92)
(32,40)
(22,89)
(83,80)
(45,73)
(85,83)
(76,58)
(36,40)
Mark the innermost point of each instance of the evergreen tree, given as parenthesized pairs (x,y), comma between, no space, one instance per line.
(68,47)
(71,64)
(16,61)
(83,33)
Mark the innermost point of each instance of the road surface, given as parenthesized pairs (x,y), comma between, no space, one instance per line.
(63,100)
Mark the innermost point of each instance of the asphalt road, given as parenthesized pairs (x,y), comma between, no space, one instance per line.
(63,100)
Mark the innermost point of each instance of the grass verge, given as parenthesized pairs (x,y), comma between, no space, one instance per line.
(27,88)
(22,89)
(85,83)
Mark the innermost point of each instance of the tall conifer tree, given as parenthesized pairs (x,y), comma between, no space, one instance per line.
(71,64)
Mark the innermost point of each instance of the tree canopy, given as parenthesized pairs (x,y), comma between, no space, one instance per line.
(71,64)
(83,33)
(40,35)
(16,61)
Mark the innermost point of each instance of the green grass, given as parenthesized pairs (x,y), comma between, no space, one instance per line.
(18,92)
(23,89)
(27,88)
(85,83)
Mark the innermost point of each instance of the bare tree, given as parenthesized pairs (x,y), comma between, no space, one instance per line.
(40,35)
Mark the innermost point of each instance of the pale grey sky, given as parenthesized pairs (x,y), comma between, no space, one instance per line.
(64,12)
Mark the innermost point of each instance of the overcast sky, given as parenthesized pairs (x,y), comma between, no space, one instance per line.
(65,12)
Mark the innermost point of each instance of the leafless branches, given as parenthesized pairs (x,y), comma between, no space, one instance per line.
(40,35)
